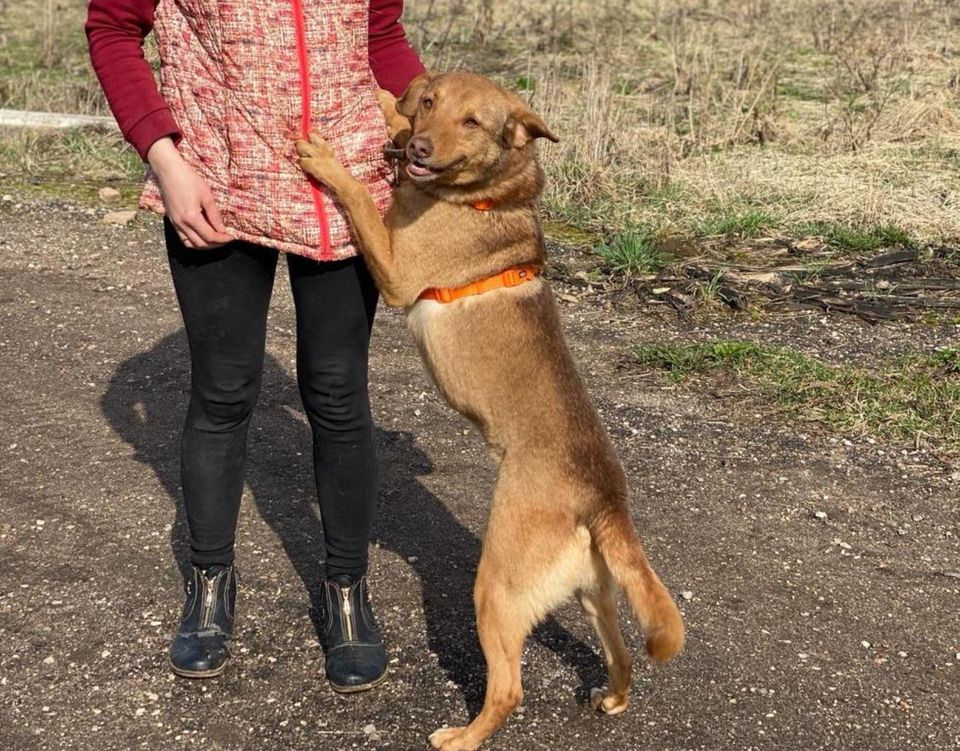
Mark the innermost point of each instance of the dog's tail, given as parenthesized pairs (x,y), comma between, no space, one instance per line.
(616,538)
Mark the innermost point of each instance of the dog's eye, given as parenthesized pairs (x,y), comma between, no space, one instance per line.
(426,103)
(471,122)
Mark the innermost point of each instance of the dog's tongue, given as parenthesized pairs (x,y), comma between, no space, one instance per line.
(417,170)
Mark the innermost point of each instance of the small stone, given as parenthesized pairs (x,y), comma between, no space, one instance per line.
(412,559)
(7,198)
(687,594)
(105,653)
(369,729)
(122,218)
(901,653)
(865,644)
(49,660)
(820,514)
(109,195)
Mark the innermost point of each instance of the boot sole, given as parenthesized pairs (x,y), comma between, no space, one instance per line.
(359,688)
(198,673)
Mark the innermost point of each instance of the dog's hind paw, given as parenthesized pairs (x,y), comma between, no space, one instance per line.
(451,739)
(604,700)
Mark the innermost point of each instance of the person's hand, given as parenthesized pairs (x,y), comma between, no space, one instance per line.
(187,198)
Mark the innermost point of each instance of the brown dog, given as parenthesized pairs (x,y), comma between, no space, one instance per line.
(559,523)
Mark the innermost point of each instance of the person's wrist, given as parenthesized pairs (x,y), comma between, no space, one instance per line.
(162,156)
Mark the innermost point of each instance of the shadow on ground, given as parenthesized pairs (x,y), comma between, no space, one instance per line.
(144,404)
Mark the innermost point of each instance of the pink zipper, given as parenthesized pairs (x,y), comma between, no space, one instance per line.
(305,95)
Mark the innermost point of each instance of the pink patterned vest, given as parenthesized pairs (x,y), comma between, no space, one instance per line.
(243,79)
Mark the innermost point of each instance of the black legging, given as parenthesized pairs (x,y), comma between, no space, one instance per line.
(224,295)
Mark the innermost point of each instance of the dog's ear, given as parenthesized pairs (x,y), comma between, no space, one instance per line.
(523,126)
(408,103)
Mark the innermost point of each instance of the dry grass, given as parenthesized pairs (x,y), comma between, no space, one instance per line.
(43,58)
(44,66)
(676,117)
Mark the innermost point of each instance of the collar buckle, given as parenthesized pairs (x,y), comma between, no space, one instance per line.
(444,294)
(515,277)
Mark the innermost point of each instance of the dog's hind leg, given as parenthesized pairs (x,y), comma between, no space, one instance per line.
(502,634)
(600,605)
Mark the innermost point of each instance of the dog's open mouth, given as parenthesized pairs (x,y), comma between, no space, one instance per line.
(423,172)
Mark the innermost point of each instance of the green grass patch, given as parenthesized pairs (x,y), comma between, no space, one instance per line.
(798,91)
(75,191)
(744,224)
(857,239)
(635,252)
(85,155)
(570,235)
(913,399)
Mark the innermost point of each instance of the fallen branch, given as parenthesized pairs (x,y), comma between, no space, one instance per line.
(54,120)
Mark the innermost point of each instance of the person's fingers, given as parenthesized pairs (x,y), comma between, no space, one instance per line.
(181,234)
(208,237)
(212,212)
(190,238)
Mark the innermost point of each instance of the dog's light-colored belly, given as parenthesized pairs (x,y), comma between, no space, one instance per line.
(491,353)
(425,322)
(419,316)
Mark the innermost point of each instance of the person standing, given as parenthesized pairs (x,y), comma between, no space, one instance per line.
(239,83)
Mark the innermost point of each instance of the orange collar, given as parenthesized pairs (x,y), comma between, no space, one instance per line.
(510,278)
(484,204)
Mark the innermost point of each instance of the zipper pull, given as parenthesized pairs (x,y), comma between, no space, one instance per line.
(209,595)
(346,619)
(211,592)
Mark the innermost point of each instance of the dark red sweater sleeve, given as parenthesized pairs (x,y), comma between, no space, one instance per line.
(392,59)
(115,33)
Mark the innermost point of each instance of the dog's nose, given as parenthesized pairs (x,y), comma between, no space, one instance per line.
(420,147)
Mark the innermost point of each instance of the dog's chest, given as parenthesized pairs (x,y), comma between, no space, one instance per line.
(421,319)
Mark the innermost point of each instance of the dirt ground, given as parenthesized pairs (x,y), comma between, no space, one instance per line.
(805,632)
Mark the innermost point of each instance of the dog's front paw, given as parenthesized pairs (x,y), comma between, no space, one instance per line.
(451,739)
(317,157)
(315,148)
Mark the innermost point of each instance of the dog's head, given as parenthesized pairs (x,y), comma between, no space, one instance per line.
(466,129)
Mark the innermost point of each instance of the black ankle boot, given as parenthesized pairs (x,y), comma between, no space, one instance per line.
(356,658)
(199,650)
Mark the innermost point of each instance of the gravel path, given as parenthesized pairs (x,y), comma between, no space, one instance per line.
(818,576)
